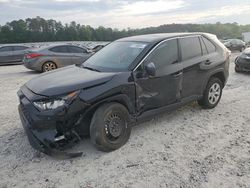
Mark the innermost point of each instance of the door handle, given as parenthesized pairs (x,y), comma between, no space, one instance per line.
(208,62)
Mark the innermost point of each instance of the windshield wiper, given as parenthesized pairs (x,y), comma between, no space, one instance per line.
(89,68)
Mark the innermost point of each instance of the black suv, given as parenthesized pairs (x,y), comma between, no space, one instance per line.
(128,81)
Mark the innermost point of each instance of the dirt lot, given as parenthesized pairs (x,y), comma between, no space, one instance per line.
(189,147)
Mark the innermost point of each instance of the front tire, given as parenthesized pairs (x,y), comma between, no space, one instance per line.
(212,94)
(109,128)
(237,69)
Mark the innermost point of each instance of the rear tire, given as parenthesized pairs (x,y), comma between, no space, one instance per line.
(49,66)
(212,94)
(109,128)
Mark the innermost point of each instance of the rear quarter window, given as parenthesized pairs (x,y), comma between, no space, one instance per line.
(209,45)
(190,48)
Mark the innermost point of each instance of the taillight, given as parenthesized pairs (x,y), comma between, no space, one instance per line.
(32,55)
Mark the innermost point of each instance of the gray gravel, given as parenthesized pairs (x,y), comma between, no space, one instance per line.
(189,147)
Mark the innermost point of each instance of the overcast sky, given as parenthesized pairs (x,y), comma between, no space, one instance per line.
(128,13)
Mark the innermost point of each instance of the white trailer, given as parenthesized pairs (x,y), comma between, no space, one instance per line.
(246,37)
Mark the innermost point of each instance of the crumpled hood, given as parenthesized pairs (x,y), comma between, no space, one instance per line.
(66,80)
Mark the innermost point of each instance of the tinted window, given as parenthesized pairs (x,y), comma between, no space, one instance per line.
(203,47)
(165,54)
(117,56)
(190,48)
(210,46)
(60,49)
(239,42)
(75,49)
(6,49)
(16,48)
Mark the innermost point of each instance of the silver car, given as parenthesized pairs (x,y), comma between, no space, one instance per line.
(55,56)
(12,54)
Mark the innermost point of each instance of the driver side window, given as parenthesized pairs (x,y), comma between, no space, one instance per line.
(163,56)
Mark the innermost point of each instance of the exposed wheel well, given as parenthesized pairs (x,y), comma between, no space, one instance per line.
(221,76)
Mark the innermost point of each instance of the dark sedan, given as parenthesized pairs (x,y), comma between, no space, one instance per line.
(242,63)
(235,44)
(12,54)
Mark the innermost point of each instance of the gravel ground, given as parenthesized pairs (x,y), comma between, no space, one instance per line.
(189,147)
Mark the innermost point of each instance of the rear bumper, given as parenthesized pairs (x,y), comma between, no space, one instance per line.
(32,64)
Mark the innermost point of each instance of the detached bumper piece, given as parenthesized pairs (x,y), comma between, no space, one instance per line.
(47,140)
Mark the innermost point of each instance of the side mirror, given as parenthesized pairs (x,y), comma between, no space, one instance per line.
(150,69)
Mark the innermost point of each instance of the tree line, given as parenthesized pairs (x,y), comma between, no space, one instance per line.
(41,30)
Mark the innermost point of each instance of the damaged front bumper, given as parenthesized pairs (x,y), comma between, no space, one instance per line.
(50,133)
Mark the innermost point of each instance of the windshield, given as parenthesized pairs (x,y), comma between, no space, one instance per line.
(117,56)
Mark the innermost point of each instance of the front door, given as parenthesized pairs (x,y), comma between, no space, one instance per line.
(6,54)
(165,87)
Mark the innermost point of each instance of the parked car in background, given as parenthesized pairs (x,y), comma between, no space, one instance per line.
(235,44)
(97,48)
(12,54)
(128,81)
(242,62)
(51,57)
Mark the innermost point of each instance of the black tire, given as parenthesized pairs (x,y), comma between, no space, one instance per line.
(210,97)
(49,66)
(242,49)
(237,69)
(109,120)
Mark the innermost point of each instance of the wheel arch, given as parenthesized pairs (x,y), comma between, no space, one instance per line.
(120,99)
(217,74)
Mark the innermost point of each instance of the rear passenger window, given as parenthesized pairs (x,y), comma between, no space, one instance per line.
(164,55)
(17,48)
(75,49)
(60,49)
(6,49)
(190,48)
(210,46)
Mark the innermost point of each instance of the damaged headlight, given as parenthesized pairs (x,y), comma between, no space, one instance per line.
(51,104)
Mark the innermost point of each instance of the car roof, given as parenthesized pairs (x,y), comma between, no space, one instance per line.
(152,38)
(4,45)
(49,46)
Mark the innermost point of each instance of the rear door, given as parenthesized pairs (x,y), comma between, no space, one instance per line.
(79,55)
(61,55)
(6,54)
(191,60)
(164,88)
(18,53)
